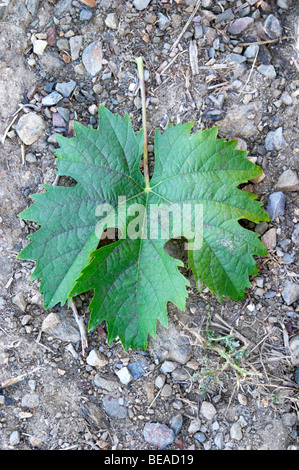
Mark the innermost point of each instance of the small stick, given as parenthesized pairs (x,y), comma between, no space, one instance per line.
(17,379)
(261,43)
(186,25)
(139,63)
(80,323)
(15,116)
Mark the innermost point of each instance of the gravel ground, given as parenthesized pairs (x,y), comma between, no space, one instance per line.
(230,64)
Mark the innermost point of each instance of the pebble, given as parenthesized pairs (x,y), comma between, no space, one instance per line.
(272,27)
(14,438)
(160,381)
(124,375)
(207,410)
(284,4)
(64,113)
(288,181)
(66,88)
(39,46)
(289,419)
(61,326)
(236,432)
(276,204)
(163,21)
(106,383)
(111,21)
(30,128)
(92,58)
(194,426)
(158,435)
(30,400)
(237,58)
(113,408)
(275,140)
(96,359)
(200,437)
(240,24)
(225,16)
(286,98)
(267,71)
(19,301)
(176,423)
(141,4)
(137,369)
(57,120)
(85,15)
(269,239)
(251,51)
(295,234)
(168,366)
(290,292)
(89,3)
(294,349)
(52,99)
(75,46)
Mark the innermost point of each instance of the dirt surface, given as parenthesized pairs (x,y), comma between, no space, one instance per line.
(238,393)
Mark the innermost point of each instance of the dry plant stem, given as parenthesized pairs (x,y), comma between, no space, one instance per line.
(140,70)
(198,3)
(80,323)
(17,379)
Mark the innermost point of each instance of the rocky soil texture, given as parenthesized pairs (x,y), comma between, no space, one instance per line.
(234,64)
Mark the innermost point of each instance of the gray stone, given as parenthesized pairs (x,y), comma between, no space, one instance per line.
(286,98)
(62,326)
(272,27)
(64,113)
(51,61)
(225,16)
(14,438)
(294,349)
(113,408)
(284,4)
(240,24)
(30,127)
(237,58)
(267,70)
(111,21)
(288,181)
(85,15)
(251,51)
(75,46)
(241,120)
(290,293)
(236,432)
(289,419)
(275,140)
(52,99)
(163,21)
(92,58)
(141,4)
(32,6)
(124,375)
(276,204)
(295,234)
(19,301)
(200,437)
(109,384)
(167,366)
(158,435)
(96,359)
(66,88)
(208,410)
(30,400)
(170,343)
(176,423)
(137,369)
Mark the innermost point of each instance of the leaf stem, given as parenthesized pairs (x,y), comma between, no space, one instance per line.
(139,63)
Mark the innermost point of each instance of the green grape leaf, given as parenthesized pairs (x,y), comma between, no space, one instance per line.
(193,193)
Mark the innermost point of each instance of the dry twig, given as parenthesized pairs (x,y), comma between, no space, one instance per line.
(81,326)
